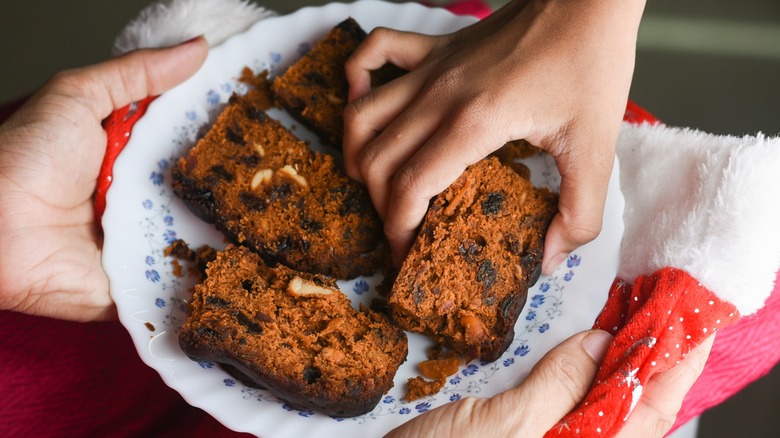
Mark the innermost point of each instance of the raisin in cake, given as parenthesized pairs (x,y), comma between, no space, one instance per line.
(294,334)
(314,89)
(479,248)
(267,190)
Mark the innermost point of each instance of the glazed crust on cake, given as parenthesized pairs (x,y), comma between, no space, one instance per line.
(294,334)
(315,89)
(267,190)
(478,251)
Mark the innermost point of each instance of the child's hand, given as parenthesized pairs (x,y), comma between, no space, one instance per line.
(556,73)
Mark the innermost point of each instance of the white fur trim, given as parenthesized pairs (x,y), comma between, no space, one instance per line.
(171,22)
(707,204)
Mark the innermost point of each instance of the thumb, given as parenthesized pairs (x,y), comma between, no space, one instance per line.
(112,84)
(585,173)
(556,384)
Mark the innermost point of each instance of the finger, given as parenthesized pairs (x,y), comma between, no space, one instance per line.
(664,393)
(367,117)
(383,45)
(368,114)
(411,190)
(585,166)
(431,169)
(556,384)
(112,84)
(380,160)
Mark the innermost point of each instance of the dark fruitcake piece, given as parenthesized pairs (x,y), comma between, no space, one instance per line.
(478,251)
(515,150)
(294,334)
(314,89)
(267,190)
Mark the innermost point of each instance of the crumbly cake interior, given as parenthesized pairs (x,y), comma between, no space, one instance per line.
(293,333)
(466,277)
(268,190)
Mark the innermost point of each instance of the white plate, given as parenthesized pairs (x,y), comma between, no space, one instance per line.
(143,216)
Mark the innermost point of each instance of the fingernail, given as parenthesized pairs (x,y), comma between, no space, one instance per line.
(555,262)
(193,39)
(596,344)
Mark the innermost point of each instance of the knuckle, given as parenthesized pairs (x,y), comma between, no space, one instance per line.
(405,183)
(584,231)
(68,82)
(375,40)
(578,227)
(378,34)
(658,413)
(568,375)
(357,113)
(658,418)
(445,82)
(469,115)
(473,408)
(353,63)
(352,113)
(147,77)
(136,74)
(662,424)
(79,87)
(369,167)
(369,161)
(394,229)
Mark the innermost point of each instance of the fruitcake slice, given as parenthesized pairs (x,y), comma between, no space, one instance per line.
(292,333)
(478,251)
(314,89)
(268,190)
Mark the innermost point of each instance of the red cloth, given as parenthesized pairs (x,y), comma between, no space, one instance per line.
(63,378)
(68,379)
(725,372)
(656,321)
(118,126)
(475,8)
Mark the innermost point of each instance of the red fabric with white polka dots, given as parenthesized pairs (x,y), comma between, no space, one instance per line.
(656,321)
(118,126)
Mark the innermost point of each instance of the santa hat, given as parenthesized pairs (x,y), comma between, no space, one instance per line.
(701,246)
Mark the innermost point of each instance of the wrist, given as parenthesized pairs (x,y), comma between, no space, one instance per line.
(629,10)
